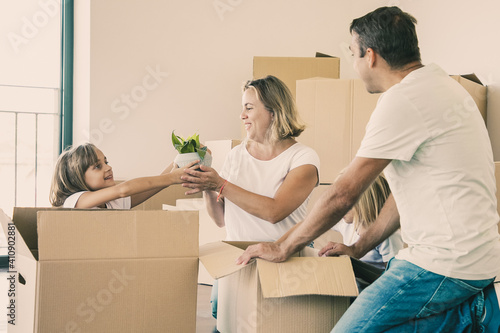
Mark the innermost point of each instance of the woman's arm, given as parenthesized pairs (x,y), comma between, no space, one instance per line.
(130,188)
(294,190)
(215,209)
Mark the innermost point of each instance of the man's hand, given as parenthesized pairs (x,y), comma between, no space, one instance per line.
(267,251)
(336,249)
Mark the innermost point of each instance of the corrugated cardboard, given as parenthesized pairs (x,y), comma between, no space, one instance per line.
(291,69)
(209,231)
(220,149)
(476,89)
(167,196)
(306,293)
(336,113)
(106,271)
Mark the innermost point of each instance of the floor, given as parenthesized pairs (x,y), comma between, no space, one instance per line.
(205,323)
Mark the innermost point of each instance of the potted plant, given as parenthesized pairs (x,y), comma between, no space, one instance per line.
(190,150)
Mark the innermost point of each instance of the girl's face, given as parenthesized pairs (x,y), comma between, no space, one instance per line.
(99,175)
(256,118)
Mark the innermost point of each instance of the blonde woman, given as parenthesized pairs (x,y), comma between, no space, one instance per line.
(265,183)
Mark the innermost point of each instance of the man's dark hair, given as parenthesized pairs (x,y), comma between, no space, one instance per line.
(391,33)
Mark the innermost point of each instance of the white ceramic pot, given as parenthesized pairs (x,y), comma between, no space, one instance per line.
(186,158)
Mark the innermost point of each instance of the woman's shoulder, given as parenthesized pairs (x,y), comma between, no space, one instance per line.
(299,150)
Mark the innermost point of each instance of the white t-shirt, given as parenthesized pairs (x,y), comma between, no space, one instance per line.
(263,178)
(442,174)
(120,203)
(381,254)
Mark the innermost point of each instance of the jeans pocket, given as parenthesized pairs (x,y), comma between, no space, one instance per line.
(450,293)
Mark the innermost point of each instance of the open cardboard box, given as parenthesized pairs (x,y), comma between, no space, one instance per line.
(103,270)
(306,293)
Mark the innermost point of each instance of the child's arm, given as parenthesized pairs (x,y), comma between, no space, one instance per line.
(130,188)
(141,197)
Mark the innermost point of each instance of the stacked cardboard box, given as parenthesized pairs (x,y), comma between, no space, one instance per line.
(291,69)
(336,112)
(103,271)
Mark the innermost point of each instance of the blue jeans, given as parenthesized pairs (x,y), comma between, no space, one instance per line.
(407,298)
(214,298)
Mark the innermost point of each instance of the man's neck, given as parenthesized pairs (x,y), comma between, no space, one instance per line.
(397,75)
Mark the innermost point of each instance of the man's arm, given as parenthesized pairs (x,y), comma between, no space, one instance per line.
(329,209)
(385,225)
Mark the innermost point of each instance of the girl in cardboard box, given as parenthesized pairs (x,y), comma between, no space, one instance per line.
(83,178)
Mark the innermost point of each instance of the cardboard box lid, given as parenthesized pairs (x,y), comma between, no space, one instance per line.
(115,234)
(20,245)
(331,276)
(304,275)
(219,258)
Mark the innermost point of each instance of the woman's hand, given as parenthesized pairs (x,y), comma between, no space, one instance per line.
(203,179)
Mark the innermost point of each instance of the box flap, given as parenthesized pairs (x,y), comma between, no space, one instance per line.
(25,220)
(323,55)
(219,258)
(21,248)
(307,276)
(472,77)
(98,234)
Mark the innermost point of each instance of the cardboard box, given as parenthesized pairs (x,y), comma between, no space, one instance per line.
(291,69)
(167,196)
(304,294)
(209,231)
(104,270)
(220,149)
(336,113)
(476,89)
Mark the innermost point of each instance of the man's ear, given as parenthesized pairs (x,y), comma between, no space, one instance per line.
(371,57)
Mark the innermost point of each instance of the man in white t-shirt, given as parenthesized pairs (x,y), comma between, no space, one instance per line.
(428,137)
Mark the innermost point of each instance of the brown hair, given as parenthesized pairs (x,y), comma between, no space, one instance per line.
(69,173)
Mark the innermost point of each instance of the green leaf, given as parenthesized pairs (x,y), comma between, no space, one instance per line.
(202,151)
(177,141)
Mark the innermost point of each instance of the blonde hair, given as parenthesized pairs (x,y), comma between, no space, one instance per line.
(278,100)
(69,173)
(369,205)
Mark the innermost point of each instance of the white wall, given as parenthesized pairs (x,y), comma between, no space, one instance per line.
(202,52)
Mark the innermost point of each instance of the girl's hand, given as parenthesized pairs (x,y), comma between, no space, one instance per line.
(177,172)
(333,249)
(204,179)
